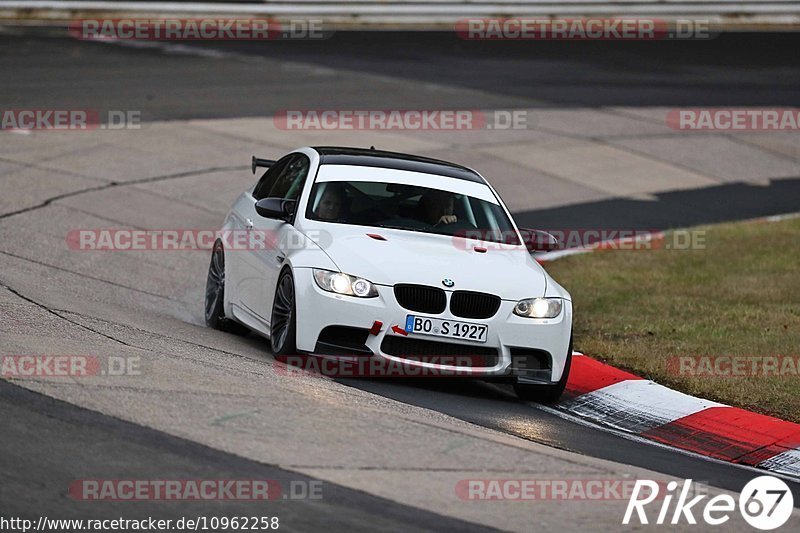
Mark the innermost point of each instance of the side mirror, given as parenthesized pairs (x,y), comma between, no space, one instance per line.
(539,241)
(278,208)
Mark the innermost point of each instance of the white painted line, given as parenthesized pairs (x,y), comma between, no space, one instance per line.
(172,48)
(636,405)
(558,254)
(605,244)
(779,218)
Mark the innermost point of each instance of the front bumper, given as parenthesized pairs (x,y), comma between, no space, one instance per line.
(508,333)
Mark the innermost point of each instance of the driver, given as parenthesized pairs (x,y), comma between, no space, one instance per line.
(330,205)
(437,208)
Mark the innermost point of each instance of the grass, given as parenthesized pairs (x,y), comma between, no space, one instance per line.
(739,296)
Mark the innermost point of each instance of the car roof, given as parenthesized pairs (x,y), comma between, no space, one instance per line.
(367,157)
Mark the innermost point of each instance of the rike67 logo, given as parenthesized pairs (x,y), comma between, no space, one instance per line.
(765,503)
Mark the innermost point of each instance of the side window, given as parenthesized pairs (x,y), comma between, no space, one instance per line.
(268,179)
(291,179)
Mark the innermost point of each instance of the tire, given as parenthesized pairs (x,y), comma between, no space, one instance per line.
(215,295)
(546,393)
(283,322)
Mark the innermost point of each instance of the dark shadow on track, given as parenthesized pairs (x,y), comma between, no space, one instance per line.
(676,209)
(732,69)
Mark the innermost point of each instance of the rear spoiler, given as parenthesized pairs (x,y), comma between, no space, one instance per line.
(264,163)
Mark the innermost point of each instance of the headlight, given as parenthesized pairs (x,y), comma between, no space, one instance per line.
(539,307)
(344,284)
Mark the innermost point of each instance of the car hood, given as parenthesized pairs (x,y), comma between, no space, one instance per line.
(413,257)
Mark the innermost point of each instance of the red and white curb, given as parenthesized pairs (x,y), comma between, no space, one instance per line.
(617,399)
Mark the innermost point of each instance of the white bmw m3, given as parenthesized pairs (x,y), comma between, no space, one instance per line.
(382,255)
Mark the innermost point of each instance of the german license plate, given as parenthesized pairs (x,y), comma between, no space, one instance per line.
(452,329)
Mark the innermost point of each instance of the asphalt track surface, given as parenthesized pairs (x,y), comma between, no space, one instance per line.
(66,438)
(47,442)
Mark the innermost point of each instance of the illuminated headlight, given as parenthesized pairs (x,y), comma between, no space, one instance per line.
(344,284)
(539,307)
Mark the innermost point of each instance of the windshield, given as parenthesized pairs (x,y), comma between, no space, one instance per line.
(409,207)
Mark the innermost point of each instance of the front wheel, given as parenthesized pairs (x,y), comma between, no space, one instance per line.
(283,324)
(546,393)
(215,295)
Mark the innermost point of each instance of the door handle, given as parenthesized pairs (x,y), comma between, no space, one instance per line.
(248,223)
